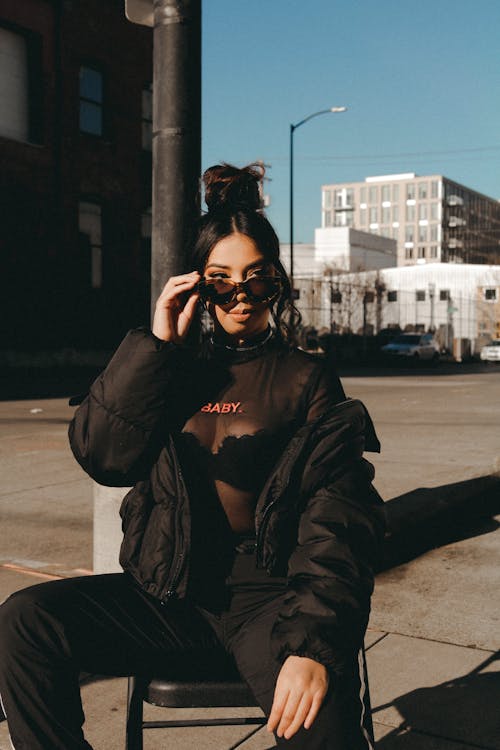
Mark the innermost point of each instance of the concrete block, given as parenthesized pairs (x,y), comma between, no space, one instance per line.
(107,527)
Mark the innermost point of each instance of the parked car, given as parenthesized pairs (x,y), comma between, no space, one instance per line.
(415,345)
(491,352)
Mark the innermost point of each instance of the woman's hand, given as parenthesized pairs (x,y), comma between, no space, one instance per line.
(173,312)
(300,688)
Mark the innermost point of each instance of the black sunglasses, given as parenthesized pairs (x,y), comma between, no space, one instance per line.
(222,290)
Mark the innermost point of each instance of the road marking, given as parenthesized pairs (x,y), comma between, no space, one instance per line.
(33,571)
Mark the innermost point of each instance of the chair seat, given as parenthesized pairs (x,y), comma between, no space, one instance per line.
(180,694)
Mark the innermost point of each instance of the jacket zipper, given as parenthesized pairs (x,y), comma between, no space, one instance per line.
(171,586)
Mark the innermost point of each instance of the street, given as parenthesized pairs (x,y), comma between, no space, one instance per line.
(434,618)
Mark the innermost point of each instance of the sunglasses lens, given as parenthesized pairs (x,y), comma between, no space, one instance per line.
(263,288)
(216,290)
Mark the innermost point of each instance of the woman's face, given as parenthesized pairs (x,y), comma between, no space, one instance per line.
(237,257)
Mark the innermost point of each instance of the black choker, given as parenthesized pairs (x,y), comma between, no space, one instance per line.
(248,347)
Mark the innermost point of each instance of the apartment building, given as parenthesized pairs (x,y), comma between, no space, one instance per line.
(431,217)
(75,183)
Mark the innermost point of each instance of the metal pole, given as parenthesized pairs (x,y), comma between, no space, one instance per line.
(176,135)
(292,129)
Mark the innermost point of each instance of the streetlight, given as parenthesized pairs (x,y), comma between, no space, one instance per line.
(293,128)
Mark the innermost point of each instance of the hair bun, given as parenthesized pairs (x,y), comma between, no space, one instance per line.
(228,187)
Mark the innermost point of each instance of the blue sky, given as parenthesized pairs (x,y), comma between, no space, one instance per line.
(421,80)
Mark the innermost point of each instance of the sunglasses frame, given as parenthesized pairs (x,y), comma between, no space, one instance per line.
(224,299)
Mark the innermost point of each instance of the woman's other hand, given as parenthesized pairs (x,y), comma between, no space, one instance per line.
(175,307)
(300,688)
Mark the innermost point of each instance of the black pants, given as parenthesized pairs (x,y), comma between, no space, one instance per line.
(106,624)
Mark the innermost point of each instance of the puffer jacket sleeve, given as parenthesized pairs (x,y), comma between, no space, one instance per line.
(341,527)
(116,432)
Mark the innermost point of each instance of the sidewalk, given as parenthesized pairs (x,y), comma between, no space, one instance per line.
(433,639)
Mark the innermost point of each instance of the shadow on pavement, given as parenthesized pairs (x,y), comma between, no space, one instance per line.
(426,518)
(463,710)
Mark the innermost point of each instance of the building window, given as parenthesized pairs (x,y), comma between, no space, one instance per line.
(410,213)
(395,213)
(421,251)
(362,194)
(422,234)
(386,215)
(410,191)
(90,225)
(490,295)
(14,119)
(335,297)
(434,211)
(434,232)
(349,197)
(373,215)
(369,297)
(444,295)
(362,216)
(147,121)
(327,194)
(434,251)
(434,189)
(328,219)
(420,295)
(386,192)
(395,193)
(373,194)
(91,100)
(422,190)
(392,296)
(422,211)
(409,233)
(408,253)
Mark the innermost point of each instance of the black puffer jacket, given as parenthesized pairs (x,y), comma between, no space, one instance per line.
(318,519)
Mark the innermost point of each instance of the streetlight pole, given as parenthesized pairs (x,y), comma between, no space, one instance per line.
(293,128)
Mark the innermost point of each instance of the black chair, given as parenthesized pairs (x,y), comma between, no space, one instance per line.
(227,690)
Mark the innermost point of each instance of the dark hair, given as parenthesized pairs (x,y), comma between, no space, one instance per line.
(234,205)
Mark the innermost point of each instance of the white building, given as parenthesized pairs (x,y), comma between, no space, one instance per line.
(339,249)
(459,302)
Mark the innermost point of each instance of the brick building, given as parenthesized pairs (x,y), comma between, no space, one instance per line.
(75,178)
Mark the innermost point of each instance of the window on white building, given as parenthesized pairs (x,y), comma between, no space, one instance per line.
(363,216)
(408,253)
(434,234)
(444,295)
(362,195)
(421,251)
(410,191)
(433,251)
(373,194)
(434,189)
(422,234)
(395,213)
(409,233)
(373,215)
(410,213)
(386,192)
(392,296)
(395,193)
(490,295)
(434,211)
(422,211)
(422,190)
(420,295)
(90,224)
(386,215)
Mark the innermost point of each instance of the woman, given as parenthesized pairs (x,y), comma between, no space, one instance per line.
(252,528)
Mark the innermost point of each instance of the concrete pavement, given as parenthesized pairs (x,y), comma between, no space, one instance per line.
(434,632)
